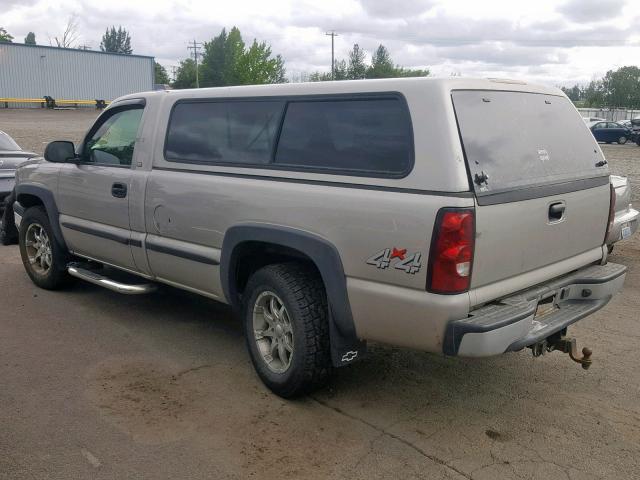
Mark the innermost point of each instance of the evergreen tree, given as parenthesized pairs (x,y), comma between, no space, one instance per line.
(116,41)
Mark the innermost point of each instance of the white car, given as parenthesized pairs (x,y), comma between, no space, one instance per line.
(11,155)
(625,220)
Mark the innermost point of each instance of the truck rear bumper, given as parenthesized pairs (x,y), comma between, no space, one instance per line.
(529,316)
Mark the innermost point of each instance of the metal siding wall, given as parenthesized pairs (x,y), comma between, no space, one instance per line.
(33,72)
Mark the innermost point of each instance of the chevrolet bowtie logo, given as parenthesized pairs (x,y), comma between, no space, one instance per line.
(349,356)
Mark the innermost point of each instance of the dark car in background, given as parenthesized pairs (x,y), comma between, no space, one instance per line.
(11,156)
(609,132)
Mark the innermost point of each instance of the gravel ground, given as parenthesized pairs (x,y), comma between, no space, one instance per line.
(96,385)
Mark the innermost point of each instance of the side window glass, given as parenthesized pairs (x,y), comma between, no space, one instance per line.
(371,136)
(113,142)
(223,132)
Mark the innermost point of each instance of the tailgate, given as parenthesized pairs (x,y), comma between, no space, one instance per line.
(541,182)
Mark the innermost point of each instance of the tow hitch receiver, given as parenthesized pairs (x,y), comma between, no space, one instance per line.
(565,345)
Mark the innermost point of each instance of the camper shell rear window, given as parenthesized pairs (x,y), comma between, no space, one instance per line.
(514,140)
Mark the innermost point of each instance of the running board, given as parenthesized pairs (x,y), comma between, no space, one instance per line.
(102,281)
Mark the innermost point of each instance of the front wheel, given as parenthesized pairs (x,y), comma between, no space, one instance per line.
(622,140)
(44,259)
(286,328)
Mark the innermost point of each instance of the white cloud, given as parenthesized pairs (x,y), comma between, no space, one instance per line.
(538,40)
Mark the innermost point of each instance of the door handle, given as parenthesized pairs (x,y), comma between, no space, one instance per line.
(556,211)
(119,190)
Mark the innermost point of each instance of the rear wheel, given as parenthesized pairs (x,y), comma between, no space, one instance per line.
(286,327)
(44,259)
(622,140)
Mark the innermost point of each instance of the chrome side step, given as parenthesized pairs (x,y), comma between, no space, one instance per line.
(102,281)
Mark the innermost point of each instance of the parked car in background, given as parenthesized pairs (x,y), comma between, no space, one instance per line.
(625,221)
(11,155)
(609,132)
(635,130)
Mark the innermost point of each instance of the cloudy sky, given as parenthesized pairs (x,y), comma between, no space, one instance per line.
(555,42)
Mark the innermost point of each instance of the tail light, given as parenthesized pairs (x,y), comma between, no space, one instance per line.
(451,255)
(612,211)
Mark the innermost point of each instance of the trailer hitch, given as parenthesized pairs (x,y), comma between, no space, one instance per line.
(565,345)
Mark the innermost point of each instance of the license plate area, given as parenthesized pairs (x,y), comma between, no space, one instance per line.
(626,231)
(546,306)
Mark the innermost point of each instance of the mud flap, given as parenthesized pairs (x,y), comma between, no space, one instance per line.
(345,349)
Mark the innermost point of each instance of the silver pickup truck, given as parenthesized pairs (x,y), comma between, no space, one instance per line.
(447,215)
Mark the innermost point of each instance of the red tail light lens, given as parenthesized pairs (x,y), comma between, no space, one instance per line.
(451,255)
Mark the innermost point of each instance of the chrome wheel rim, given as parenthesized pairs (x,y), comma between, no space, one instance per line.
(38,249)
(273,332)
(622,140)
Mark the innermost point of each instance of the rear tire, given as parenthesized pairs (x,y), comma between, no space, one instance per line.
(622,140)
(286,327)
(44,259)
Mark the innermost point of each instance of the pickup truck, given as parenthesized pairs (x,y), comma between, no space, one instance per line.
(447,215)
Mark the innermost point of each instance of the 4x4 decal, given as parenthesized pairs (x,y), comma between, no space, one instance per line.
(384,259)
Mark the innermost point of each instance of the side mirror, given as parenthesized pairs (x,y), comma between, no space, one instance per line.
(60,151)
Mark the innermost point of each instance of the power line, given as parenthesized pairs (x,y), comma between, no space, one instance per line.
(332,34)
(195,47)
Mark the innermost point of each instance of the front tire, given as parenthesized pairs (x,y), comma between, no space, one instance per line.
(286,328)
(44,259)
(622,140)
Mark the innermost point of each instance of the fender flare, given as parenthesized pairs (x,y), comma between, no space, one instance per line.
(345,345)
(46,197)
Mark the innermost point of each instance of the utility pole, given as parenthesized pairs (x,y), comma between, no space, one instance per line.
(195,46)
(332,34)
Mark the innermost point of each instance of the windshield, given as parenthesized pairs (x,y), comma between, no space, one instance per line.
(515,139)
(7,143)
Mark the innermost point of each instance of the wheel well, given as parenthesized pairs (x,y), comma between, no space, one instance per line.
(249,257)
(27,200)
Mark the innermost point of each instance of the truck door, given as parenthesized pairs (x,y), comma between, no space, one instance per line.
(93,194)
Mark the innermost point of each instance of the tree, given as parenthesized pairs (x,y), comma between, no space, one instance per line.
(340,70)
(319,77)
(30,39)
(5,36)
(356,67)
(116,41)
(70,34)
(381,64)
(411,72)
(186,74)
(161,76)
(214,64)
(256,66)
(594,94)
(574,93)
(621,88)
(226,61)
